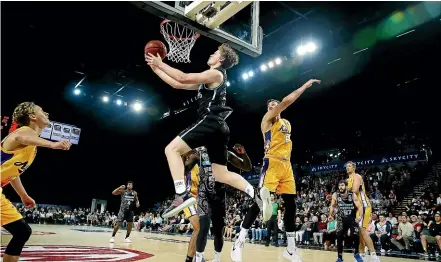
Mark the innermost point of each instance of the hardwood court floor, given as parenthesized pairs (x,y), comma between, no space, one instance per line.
(74,243)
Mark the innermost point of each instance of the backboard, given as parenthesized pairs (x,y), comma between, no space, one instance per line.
(233,22)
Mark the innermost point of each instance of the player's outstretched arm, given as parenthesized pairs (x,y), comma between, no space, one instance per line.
(173,83)
(207,77)
(288,100)
(243,162)
(29,137)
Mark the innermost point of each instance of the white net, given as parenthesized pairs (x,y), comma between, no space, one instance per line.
(180,41)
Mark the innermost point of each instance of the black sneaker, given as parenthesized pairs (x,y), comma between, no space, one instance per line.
(179,203)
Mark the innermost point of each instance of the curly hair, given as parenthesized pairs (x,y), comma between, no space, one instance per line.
(22,112)
(230,56)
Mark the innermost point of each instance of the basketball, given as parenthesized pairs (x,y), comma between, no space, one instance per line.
(155,47)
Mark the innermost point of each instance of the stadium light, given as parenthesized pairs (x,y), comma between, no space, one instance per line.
(309,47)
(278,61)
(271,64)
(263,68)
(301,50)
(250,73)
(137,106)
(245,76)
(228,83)
(77,91)
(118,102)
(105,99)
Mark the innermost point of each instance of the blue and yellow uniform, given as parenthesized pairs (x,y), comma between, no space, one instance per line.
(193,184)
(277,174)
(13,164)
(362,197)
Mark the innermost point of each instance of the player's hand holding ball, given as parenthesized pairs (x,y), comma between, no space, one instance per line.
(28,201)
(153,60)
(62,145)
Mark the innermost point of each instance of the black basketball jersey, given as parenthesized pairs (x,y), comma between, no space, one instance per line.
(346,206)
(128,200)
(212,101)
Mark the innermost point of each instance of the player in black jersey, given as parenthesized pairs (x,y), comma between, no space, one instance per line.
(215,210)
(129,199)
(346,203)
(210,130)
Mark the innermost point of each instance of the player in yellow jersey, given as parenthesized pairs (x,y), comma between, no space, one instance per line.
(356,185)
(18,151)
(241,161)
(277,175)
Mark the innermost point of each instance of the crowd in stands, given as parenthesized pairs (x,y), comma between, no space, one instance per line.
(385,187)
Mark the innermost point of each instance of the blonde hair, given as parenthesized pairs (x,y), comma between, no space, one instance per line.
(22,112)
(230,56)
(352,163)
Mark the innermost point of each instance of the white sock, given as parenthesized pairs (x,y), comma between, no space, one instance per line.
(243,233)
(217,256)
(291,241)
(199,256)
(180,186)
(373,254)
(250,190)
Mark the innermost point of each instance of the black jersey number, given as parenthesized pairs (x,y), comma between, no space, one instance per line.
(22,166)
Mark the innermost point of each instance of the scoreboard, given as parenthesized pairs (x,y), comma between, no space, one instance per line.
(59,131)
(56,131)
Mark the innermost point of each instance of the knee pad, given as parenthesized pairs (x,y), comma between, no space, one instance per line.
(28,233)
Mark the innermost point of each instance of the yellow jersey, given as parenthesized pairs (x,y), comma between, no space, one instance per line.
(193,180)
(361,191)
(14,163)
(278,142)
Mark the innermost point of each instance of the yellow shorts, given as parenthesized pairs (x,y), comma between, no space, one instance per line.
(8,212)
(190,211)
(366,220)
(277,176)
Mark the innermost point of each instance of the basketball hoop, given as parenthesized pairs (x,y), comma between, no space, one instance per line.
(180,41)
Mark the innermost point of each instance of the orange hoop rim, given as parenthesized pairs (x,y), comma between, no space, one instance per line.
(166,21)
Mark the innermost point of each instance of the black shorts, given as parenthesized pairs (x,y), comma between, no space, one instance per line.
(212,132)
(347,225)
(125,215)
(212,203)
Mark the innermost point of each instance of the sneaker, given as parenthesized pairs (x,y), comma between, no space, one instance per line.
(339,260)
(112,240)
(291,256)
(236,251)
(263,200)
(375,259)
(358,258)
(181,201)
(127,240)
